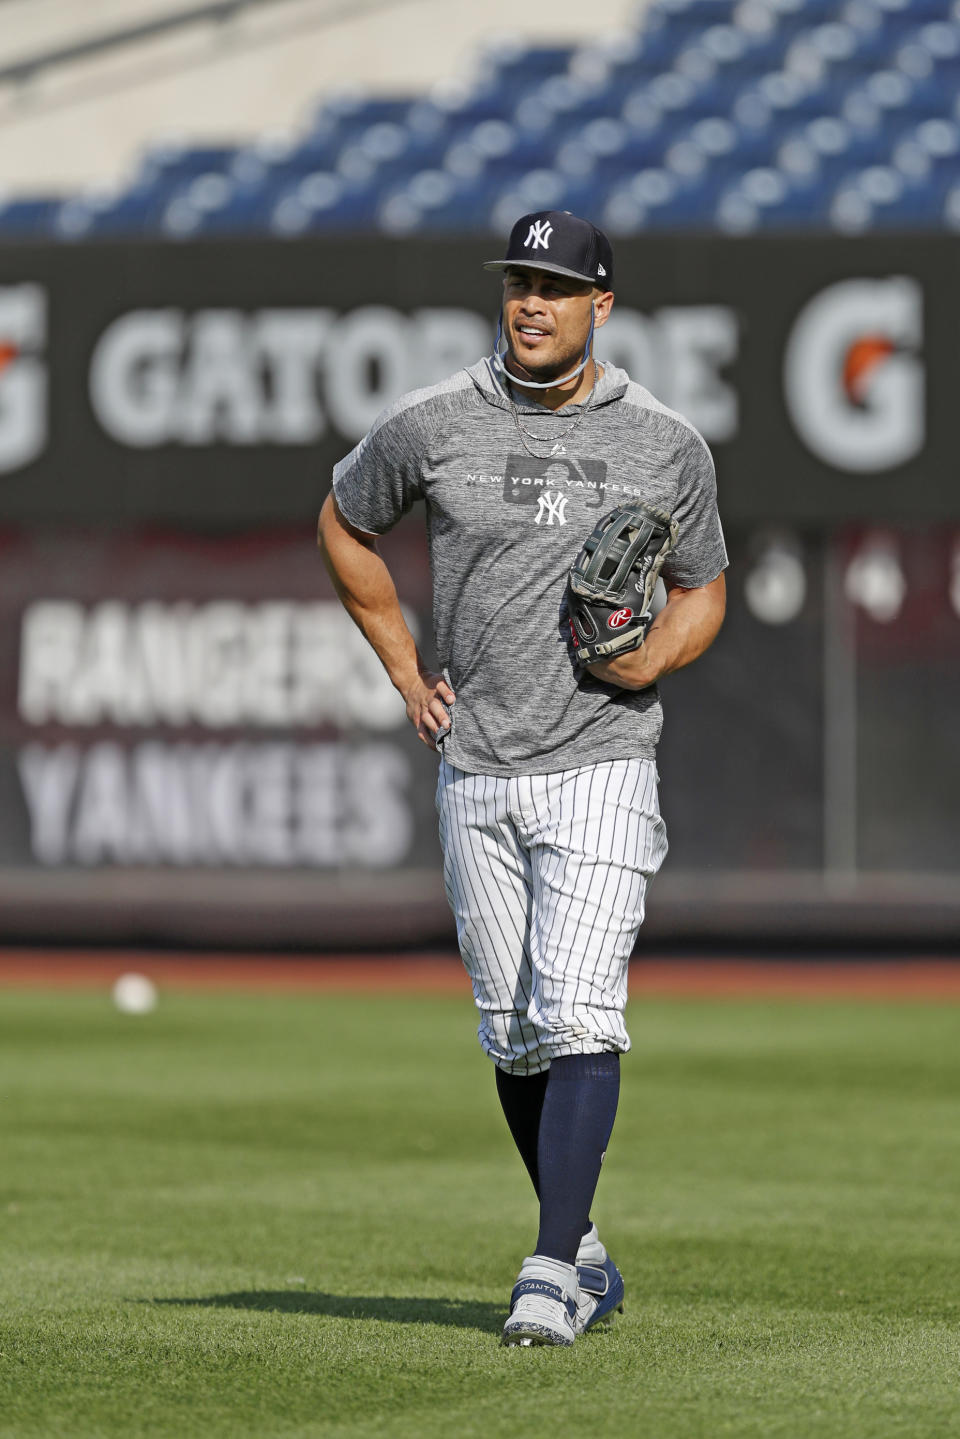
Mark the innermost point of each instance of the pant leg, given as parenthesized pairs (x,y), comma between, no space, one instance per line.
(487,877)
(596,837)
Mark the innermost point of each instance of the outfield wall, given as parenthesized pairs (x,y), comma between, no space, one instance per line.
(195,745)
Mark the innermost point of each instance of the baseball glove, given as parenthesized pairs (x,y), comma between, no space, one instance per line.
(613,578)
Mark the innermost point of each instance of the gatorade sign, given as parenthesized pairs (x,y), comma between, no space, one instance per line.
(23,375)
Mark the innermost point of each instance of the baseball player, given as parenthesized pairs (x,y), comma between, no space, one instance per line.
(545,714)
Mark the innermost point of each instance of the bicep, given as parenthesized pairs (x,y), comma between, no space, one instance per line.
(713,596)
(334,527)
(703,605)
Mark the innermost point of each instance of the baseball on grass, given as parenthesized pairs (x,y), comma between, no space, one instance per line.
(135,994)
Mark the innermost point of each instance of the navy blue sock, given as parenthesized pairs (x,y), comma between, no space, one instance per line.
(521,1098)
(579,1108)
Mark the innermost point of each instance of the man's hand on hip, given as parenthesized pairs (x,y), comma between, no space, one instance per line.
(428,699)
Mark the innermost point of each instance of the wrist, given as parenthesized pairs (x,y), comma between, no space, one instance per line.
(404,678)
(631,671)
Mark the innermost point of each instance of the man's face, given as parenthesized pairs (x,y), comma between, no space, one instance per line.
(546,320)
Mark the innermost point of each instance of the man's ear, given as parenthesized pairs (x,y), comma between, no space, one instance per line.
(602,305)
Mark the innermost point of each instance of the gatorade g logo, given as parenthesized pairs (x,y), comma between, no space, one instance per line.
(853,375)
(619,618)
(23,376)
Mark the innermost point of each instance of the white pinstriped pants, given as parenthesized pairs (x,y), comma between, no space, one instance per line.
(546,876)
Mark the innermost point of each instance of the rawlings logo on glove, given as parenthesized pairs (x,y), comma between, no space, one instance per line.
(622,557)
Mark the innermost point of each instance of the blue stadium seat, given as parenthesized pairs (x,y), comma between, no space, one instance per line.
(734,52)
(743,114)
(928,152)
(497,148)
(657,43)
(591,153)
(520,67)
(803,12)
(323,202)
(564,97)
(878,41)
(892,92)
(354,108)
(28,217)
(213,205)
(765,199)
(462,104)
(950,212)
(654,199)
(691,12)
(788,97)
(167,164)
(436,199)
(713,151)
(913,9)
(310,152)
(827,148)
(713,96)
(940,39)
(688,209)
(882,197)
(542,189)
(135,212)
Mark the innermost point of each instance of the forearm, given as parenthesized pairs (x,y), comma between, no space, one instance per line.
(365,588)
(686,626)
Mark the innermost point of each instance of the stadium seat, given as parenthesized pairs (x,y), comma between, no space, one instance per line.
(737,114)
(323,201)
(135,212)
(694,13)
(514,65)
(623,151)
(765,199)
(212,205)
(951,207)
(654,199)
(28,217)
(166,165)
(882,197)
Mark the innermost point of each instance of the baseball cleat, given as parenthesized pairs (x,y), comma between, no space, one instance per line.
(543,1305)
(600,1297)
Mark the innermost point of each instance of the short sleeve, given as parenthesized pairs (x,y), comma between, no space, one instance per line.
(382,477)
(701,553)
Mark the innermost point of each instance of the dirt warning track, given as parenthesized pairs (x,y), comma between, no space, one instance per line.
(904,978)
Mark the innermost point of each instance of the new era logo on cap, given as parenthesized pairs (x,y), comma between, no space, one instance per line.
(562,244)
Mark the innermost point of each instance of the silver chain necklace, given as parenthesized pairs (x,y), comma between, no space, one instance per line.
(557,445)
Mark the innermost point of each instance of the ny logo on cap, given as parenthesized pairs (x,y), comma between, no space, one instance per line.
(540,232)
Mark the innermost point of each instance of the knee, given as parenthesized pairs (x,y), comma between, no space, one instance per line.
(512,1042)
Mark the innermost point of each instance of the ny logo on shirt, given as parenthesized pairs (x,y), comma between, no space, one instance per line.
(550,507)
(529,481)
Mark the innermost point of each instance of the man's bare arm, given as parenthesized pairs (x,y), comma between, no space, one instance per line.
(367,592)
(686,626)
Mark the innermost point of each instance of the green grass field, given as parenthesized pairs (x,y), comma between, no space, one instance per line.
(302,1215)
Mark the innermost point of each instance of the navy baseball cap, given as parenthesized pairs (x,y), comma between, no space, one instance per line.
(562,244)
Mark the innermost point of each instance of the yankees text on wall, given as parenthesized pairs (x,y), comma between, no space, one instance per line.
(148,719)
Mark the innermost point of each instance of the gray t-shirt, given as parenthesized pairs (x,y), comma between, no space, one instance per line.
(503,529)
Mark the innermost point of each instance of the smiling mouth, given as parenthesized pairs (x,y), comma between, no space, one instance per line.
(530,333)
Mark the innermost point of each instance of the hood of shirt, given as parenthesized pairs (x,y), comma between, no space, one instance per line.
(488,377)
